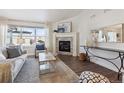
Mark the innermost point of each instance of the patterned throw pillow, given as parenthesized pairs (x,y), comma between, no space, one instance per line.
(92,77)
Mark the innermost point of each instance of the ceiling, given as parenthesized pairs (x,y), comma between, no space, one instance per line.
(39,15)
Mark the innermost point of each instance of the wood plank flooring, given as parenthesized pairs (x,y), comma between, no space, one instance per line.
(79,66)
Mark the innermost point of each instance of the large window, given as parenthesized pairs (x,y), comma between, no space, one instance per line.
(26,35)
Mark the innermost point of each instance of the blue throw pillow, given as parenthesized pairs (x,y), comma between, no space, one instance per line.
(40,47)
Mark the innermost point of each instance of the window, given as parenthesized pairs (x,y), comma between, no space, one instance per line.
(112,36)
(29,35)
(41,32)
(28,31)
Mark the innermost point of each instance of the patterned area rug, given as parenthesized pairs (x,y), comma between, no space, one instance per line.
(30,73)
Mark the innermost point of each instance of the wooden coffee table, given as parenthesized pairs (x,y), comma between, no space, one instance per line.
(46,62)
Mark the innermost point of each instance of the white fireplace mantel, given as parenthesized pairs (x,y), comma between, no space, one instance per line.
(73,35)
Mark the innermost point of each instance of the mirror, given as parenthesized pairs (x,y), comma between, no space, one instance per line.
(109,34)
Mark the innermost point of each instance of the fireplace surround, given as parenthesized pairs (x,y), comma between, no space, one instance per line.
(64,39)
(66,45)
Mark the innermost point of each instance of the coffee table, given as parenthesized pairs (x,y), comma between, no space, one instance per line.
(46,62)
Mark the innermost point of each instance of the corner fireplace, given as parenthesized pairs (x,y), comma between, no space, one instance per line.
(64,46)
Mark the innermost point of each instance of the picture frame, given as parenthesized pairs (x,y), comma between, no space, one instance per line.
(64,27)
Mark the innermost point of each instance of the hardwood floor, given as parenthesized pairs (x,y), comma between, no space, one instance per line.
(79,66)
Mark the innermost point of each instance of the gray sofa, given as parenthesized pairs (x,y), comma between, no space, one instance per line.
(16,63)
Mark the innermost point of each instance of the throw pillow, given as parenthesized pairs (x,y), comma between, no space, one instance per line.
(18,47)
(40,47)
(2,57)
(13,52)
(4,52)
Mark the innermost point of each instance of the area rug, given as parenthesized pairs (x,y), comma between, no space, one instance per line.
(30,73)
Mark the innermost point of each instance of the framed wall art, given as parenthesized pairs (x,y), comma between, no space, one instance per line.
(64,27)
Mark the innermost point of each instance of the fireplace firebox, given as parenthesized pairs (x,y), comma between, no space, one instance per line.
(64,46)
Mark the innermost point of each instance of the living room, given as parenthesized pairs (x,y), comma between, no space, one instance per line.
(61,46)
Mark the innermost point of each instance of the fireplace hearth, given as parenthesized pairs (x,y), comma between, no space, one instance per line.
(64,46)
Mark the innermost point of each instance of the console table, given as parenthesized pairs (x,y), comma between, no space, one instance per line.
(120,56)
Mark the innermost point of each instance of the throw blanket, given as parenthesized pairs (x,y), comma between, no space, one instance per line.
(5,73)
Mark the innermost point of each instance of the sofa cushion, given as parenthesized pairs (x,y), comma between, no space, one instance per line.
(2,57)
(4,51)
(13,52)
(24,56)
(18,65)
